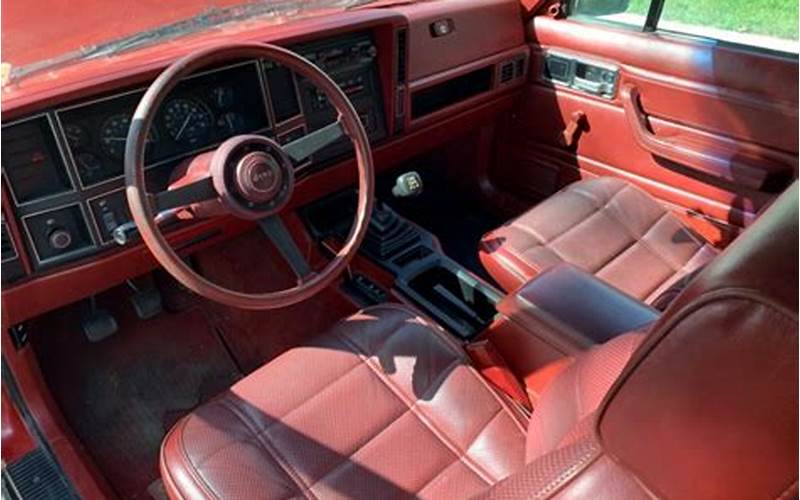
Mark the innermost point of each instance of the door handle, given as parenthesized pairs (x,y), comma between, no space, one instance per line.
(721,161)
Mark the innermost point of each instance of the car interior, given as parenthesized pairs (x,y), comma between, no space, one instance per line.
(401,249)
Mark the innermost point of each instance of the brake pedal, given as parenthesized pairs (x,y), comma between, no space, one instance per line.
(98,325)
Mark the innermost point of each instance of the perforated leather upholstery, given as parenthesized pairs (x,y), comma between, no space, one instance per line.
(707,405)
(604,226)
(384,405)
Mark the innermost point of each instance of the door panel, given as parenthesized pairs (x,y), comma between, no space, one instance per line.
(710,130)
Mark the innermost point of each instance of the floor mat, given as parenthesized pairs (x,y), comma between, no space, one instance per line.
(250,263)
(122,394)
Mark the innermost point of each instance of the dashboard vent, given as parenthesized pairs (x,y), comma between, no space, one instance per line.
(402,40)
(507,72)
(8,250)
(511,70)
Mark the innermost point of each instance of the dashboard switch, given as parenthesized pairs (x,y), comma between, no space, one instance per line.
(59,238)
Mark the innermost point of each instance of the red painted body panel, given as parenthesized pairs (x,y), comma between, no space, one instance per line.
(16,438)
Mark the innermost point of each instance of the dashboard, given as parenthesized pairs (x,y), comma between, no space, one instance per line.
(64,167)
(414,87)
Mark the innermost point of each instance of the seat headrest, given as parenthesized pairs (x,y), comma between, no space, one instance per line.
(708,405)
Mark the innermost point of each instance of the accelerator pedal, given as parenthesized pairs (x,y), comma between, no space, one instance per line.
(147,302)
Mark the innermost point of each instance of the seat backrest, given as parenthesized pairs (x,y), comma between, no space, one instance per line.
(707,406)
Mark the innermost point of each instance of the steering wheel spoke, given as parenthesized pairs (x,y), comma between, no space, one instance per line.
(248,176)
(277,233)
(300,149)
(195,192)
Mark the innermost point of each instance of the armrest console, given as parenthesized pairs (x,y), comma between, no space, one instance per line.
(583,308)
(562,312)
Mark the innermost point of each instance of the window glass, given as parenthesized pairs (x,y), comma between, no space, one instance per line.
(632,13)
(771,24)
(763,23)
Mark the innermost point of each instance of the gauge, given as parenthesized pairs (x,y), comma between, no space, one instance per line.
(233,123)
(188,121)
(114,133)
(223,97)
(89,166)
(77,136)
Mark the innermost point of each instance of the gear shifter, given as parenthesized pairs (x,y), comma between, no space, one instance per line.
(388,234)
(407,185)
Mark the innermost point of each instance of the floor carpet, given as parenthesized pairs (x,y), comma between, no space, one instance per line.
(122,394)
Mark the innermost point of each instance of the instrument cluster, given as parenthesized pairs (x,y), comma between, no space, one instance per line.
(202,111)
(64,167)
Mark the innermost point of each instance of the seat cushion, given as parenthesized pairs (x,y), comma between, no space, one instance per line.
(383,405)
(605,226)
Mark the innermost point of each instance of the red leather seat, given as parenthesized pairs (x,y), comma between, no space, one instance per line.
(383,405)
(604,226)
(386,405)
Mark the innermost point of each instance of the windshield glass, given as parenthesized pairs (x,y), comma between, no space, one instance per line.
(45,33)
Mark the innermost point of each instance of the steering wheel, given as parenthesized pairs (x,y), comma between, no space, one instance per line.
(249,176)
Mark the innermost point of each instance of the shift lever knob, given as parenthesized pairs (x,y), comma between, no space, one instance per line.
(407,185)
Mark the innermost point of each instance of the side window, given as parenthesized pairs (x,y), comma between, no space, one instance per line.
(769,24)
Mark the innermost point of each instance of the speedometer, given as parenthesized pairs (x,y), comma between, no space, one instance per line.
(188,121)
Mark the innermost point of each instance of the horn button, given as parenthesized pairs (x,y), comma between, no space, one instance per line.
(253,175)
(258,177)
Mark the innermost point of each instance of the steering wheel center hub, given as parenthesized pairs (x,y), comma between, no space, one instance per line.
(258,177)
(253,176)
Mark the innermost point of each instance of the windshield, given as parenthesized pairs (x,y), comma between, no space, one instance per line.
(42,34)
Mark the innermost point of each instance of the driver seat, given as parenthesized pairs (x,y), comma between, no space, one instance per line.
(702,405)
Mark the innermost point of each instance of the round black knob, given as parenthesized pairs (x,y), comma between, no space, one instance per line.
(59,238)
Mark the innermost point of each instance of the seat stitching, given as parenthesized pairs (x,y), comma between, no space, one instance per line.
(681,269)
(408,410)
(421,417)
(615,256)
(596,203)
(655,251)
(285,415)
(314,396)
(438,476)
(271,451)
(193,469)
(642,237)
(589,455)
(599,209)
(348,458)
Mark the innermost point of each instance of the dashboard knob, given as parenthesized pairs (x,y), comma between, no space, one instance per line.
(59,238)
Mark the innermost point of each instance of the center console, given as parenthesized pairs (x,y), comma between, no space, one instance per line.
(448,292)
(557,315)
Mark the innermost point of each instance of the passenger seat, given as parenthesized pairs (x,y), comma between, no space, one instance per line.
(607,227)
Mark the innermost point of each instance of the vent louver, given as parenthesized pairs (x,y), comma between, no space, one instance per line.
(507,72)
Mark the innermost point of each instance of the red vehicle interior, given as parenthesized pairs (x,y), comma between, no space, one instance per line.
(594,295)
